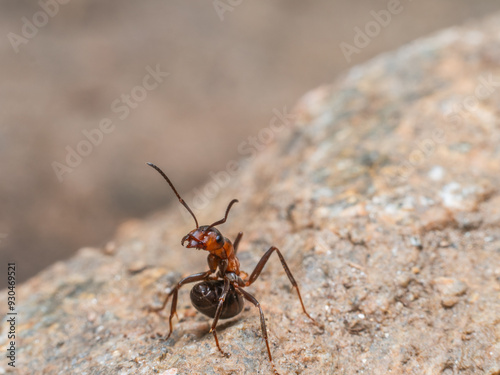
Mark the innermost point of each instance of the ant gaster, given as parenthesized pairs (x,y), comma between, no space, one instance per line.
(220,293)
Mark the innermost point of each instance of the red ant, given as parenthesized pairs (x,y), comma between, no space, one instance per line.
(220,294)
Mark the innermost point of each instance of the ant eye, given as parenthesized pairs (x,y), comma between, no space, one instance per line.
(218,238)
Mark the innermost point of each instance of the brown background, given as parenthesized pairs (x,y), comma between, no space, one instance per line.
(226,77)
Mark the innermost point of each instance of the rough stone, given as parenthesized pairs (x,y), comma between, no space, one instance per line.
(384,200)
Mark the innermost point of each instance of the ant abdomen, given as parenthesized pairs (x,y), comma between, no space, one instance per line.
(205,298)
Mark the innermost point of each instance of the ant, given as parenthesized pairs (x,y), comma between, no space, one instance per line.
(220,293)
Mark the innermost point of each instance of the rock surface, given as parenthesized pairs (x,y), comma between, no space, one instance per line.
(384,199)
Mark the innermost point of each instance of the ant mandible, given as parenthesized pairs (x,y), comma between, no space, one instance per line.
(220,294)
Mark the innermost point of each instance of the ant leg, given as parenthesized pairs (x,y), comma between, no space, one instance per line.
(252,299)
(218,313)
(262,262)
(190,279)
(237,242)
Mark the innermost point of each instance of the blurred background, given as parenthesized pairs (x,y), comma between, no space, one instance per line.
(91,90)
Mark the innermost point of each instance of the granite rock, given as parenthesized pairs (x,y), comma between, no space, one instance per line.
(383,197)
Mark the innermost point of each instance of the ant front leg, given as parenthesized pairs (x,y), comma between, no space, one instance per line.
(218,313)
(173,311)
(262,262)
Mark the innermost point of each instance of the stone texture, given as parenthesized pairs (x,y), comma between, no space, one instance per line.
(384,200)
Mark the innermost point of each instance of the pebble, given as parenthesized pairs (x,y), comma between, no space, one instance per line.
(449,289)
(403,280)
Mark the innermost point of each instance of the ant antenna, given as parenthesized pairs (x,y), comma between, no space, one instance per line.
(176,193)
(221,221)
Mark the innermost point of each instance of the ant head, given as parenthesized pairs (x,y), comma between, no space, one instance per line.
(207,237)
(204,238)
